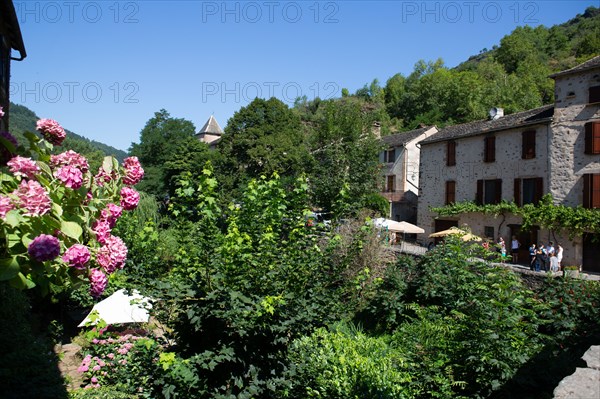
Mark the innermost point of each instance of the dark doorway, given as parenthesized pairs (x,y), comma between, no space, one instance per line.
(526,238)
(591,253)
(441,225)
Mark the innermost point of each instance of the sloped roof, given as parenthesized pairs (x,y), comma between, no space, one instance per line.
(589,64)
(211,127)
(11,27)
(525,118)
(399,139)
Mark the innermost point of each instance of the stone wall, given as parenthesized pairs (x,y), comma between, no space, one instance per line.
(568,162)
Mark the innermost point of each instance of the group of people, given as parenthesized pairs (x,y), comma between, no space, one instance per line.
(541,257)
(546,258)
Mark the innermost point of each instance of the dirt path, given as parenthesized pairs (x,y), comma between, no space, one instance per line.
(70,360)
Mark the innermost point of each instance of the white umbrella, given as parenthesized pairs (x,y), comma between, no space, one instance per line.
(121,308)
(409,228)
(400,227)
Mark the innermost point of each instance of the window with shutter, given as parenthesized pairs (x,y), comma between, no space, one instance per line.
(489,191)
(451,153)
(489,153)
(450,192)
(592,138)
(529,191)
(528,146)
(591,191)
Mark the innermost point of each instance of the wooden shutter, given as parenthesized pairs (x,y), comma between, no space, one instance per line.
(490,149)
(451,153)
(595,191)
(539,189)
(586,191)
(498,188)
(592,138)
(528,144)
(518,192)
(450,192)
(479,194)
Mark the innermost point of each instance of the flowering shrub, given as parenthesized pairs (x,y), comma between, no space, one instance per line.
(119,358)
(52,205)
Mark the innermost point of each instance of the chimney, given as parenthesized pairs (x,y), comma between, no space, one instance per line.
(496,113)
(377,129)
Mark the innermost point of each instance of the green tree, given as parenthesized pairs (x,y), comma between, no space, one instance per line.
(345,151)
(262,138)
(160,142)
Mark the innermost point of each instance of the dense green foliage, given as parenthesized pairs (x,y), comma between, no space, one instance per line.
(254,302)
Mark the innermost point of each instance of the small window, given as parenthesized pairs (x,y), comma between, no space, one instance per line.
(489,151)
(528,144)
(594,94)
(390,155)
(592,138)
(391,184)
(591,191)
(451,153)
(489,191)
(450,192)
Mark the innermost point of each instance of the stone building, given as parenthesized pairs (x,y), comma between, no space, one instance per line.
(520,157)
(10,39)
(400,171)
(211,132)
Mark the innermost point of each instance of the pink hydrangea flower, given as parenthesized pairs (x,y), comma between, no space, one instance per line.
(102,230)
(103,177)
(6,205)
(1,112)
(77,256)
(70,158)
(33,198)
(44,247)
(5,153)
(21,166)
(113,255)
(51,131)
(134,172)
(98,282)
(111,213)
(70,176)
(129,198)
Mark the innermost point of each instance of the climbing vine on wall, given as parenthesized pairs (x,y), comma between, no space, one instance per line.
(572,220)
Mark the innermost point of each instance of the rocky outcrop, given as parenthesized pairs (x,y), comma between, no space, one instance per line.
(584,383)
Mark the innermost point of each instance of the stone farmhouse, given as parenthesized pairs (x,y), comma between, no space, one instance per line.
(10,39)
(520,157)
(400,172)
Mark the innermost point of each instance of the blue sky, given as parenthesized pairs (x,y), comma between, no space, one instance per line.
(102,68)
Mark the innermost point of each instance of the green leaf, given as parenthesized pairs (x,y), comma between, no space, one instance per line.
(44,167)
(13,218)
(71,229)
(57,209)
(21,282)
(107,164)
(9,268)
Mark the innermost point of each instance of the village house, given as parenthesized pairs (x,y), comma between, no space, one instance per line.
(520,157)
(400,171)
(10,39)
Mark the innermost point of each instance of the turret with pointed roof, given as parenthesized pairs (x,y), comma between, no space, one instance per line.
(211,131)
